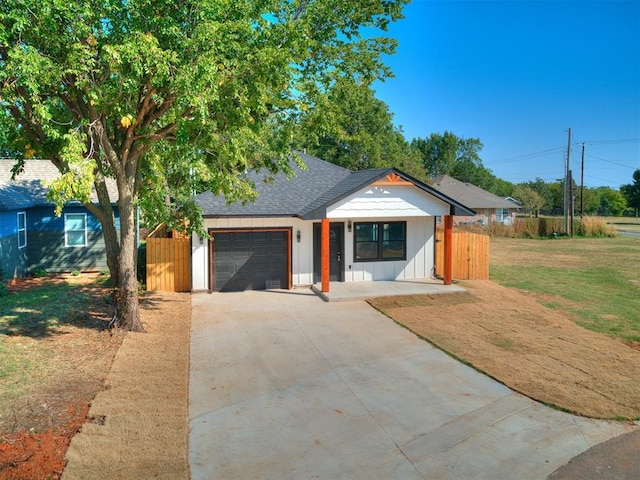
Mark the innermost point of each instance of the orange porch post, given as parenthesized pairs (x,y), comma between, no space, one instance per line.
(448,249)
(324,254)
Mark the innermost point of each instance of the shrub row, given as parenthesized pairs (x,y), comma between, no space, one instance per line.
(4,288)
(546,227)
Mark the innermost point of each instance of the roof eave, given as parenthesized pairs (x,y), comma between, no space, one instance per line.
(321,212)
(460,209)
(457,208)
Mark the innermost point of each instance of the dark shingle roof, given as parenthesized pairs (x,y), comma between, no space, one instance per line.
(282,197)
(14,197)
(469,194)
(27,190)
(349,184)
(307,194)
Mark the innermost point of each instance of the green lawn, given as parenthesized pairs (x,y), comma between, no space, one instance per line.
(596,280)
(31,321)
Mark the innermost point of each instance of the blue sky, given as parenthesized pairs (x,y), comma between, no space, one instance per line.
(517,74)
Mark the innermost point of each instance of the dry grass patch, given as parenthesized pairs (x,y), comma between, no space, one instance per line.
(536,350)
(55,350)
(140,423)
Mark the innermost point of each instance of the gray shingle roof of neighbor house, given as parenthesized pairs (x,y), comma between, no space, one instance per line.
(308,194)
(14,198)
(469,194)
(27,188)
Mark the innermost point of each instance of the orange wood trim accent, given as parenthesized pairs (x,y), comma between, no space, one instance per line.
(392,179)
(382,183)
(448,249)
(324,253)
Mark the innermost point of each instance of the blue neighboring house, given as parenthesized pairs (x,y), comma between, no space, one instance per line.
(33,238)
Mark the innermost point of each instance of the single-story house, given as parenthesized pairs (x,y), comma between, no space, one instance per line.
(325,224)
(489,208)
(33,238)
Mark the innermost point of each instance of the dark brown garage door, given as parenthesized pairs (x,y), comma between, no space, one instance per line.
(250,260)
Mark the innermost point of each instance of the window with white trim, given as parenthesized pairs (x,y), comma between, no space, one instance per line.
(380,241)
(22,229)
(75,229)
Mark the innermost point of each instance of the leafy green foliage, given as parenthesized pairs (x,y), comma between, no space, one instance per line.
(40,273)
(603,201)
(448,154)
(145,90)
(348,126)
(530,199)
(171,98)
(631,191)
(611,202)
(4,289)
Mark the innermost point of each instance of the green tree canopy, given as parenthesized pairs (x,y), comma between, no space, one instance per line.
(150,93)
(530,199)
(611,202)
(590,201)
(631,191)
(350,127)
(448,154)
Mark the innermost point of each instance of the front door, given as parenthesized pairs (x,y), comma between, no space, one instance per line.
(336,252)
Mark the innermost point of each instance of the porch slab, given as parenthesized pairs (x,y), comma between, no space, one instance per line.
(351,291)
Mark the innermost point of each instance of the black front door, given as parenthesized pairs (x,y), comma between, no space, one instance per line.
(336,252)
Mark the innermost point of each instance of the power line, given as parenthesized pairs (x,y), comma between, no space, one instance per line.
(528,155)
(612,142)
(609,161)
(601,179)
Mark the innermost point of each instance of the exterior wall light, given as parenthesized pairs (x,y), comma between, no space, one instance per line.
(298,236)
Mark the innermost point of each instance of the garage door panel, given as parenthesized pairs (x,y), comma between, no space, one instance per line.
(250,260)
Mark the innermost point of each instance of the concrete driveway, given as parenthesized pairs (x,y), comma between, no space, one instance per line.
(284,385)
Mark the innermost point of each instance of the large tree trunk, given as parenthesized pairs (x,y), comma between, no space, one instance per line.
(110,236)
(126,291)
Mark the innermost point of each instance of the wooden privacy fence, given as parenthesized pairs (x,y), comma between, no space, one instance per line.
(169,264)
(470,255)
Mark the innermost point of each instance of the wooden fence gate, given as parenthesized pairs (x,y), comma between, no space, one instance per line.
(169,264)
(470,255)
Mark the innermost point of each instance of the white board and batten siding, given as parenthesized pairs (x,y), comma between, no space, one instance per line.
(420,253)
(392,203)
(388,202)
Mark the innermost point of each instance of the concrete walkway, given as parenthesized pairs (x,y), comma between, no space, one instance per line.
(284,385)
(350,291)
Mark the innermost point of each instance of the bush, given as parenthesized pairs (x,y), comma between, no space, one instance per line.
(40,273)
(593,227)
(545,227)
(4,288)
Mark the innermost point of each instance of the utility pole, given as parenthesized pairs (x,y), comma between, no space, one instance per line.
(566,185)
(570,231)
(582,184)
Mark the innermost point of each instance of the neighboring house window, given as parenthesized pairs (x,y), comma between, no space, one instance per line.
(75,230)
(380,241)
(22,229)
(501,214)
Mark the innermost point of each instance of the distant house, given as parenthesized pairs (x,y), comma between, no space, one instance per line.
(488,207)
(326,224)
(33,238)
